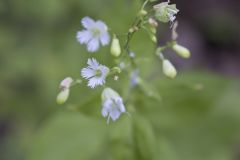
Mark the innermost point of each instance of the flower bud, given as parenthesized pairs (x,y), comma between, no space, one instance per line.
(66,83)
(63,96)
(116,70)
(143,12)
(153,30)
(153,22)
(168,69)
(153,38)
(115,47)
(181,51)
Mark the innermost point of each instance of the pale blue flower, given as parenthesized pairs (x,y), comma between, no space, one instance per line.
(95,73)
(112,104)
(95,32)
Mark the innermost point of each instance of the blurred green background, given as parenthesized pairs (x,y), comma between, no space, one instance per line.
(198,117)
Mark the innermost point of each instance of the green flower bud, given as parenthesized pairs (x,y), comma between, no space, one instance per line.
(115,47)
(143,12)
(153,30)
(116,70)
(153,22)
(154,38)
(168,69)
(181,51)
(63,96)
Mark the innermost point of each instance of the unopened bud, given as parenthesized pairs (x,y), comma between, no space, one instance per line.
(153,30)
(115,47)
(154,38)
(143,12)
(168,69)
(63,96)
(66,83)
(116,70)
(153,22)
(181,51)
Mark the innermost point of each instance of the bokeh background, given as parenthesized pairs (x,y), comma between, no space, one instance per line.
(198,116)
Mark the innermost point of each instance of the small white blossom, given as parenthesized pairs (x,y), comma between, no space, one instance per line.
(165,12)
(95,32)
(95,73)
(112,104)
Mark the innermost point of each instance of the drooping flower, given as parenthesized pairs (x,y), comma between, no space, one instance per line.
(112,104)
(165,12)
(95,32)
(95,73)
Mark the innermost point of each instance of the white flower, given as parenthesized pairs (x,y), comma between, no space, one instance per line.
(165,12)
(112,104)
(95,73)
(95,32)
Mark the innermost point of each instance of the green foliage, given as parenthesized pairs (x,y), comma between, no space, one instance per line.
(194,117)
(198,118)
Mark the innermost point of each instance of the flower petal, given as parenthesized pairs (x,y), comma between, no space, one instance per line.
(101,26)
(93,45)
(87,73)
(95,81)
(120,105)
(105,38)
(84,36)
(114,114)
(106,107)
(93,63)
(104,71)
(88,22)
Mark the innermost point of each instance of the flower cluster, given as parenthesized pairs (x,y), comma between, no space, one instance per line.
(96,34)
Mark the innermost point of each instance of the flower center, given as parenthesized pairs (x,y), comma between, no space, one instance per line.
(98,73)
(95,32)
